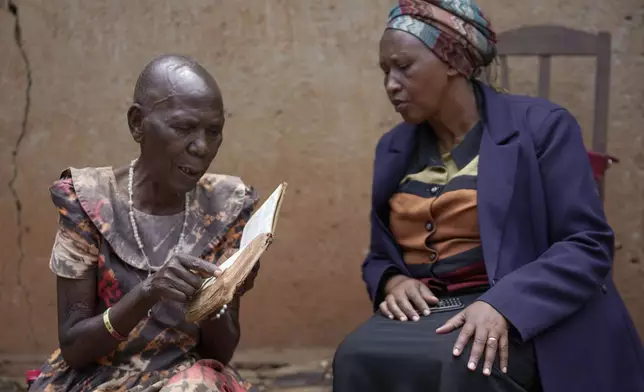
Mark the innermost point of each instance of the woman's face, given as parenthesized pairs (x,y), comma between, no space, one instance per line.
(415,79)
(180,136)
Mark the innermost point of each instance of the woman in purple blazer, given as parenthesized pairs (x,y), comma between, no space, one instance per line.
(485,199)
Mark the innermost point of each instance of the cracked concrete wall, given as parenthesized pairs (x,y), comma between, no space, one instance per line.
(301,82)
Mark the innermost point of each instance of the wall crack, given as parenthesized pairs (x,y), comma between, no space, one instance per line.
(13,9)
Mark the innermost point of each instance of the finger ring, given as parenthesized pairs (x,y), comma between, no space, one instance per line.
(491,339)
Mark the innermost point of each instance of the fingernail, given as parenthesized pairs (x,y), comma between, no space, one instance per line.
(471,365)
(486,371)
(415,318)
(456,351)
(390,317)
(426,312)
(504,370)
(403,318)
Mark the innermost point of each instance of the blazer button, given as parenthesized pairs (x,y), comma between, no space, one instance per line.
(429,226)
(604,289)
(433,256)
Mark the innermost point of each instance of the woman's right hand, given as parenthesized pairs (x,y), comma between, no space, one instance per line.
(180,278)
(405,298)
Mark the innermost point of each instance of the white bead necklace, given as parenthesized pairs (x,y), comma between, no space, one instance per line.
(135,228)
(137,237)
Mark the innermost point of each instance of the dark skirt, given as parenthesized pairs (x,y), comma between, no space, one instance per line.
(393,356)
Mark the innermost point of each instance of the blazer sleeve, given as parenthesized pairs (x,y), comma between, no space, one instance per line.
(377,267)
(573,269)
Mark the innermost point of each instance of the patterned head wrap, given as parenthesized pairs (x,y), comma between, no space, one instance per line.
(455,30)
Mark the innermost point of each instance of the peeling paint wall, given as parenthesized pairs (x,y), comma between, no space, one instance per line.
(306,105)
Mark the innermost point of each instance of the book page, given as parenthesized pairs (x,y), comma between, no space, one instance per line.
(262,220)
(255,248)
(229,261)
(224,266)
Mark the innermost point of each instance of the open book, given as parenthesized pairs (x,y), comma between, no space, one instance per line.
(256,238)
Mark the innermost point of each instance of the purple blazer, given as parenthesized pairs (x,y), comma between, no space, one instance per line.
(547,246)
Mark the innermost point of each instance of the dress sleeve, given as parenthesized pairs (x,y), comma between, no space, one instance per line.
(76,246)
(232,239)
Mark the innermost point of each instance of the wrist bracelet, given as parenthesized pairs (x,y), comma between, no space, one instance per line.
(110,328)
(220,313)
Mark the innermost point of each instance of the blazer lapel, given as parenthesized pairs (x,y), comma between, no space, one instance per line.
(390,167)
(498,154)
(496,176)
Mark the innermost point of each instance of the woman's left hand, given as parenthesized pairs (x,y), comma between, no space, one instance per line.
(249,282)
(490,332)
(243,288)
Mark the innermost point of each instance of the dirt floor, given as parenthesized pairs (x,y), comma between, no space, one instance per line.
(287,370)
(269,370)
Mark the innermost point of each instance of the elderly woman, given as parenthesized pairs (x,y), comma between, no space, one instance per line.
(134,243)
(486,199)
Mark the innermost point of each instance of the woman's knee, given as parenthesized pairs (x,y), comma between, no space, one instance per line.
(350,349)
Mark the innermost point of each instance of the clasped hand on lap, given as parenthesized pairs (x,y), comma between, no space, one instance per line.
(406,298)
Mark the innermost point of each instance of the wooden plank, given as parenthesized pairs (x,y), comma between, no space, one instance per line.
(544,76)
(602,97)
(505,72)
(602,92)
(546,40)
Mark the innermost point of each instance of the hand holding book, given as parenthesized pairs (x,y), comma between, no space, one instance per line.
(256,238)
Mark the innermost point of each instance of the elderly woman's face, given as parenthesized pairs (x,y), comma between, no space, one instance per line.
(415,79)
(181,136)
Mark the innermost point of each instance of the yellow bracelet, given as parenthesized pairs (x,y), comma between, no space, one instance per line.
(110,328)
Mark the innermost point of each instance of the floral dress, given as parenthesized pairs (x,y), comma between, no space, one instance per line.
(95,239)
